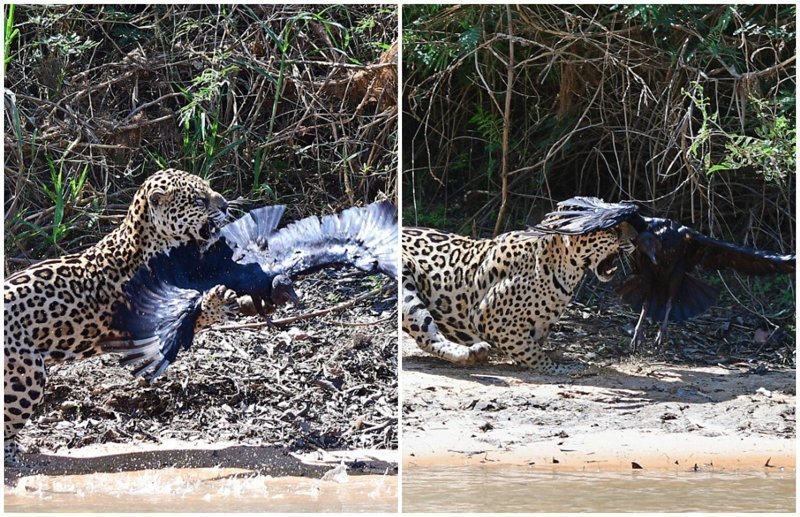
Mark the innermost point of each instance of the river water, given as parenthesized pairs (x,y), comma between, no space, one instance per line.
(498,489)
(200,490)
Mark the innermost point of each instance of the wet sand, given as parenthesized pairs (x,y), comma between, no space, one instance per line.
(612,451)
(182,476)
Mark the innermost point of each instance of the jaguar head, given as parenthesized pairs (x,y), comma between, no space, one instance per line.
(182,207)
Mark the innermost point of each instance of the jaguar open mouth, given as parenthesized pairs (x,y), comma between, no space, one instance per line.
(212,227)
(606,268)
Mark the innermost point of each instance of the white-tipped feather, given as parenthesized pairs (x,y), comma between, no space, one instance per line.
(364,237)
(248,235)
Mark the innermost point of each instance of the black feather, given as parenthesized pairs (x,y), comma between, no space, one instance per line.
(365,238)
(581,215)
(159,321)
(665,253)
(714,254)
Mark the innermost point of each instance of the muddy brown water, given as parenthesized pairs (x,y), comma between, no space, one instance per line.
(200,490)
(495,489)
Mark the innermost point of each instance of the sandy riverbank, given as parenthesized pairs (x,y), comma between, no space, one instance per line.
(661,416)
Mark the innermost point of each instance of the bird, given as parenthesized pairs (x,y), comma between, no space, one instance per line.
(665,254)
(251,258)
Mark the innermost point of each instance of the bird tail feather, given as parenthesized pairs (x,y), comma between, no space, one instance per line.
(693,298)
(632,292)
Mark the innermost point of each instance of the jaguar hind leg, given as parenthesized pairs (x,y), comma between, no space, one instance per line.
(521,339)
(419,324)
(530,354)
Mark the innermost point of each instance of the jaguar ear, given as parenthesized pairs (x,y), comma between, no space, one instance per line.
(157,197)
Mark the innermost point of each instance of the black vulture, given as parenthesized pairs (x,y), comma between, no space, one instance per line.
(251,258)
(665,253)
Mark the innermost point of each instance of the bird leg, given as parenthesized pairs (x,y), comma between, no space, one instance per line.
(638,333)
(662,331)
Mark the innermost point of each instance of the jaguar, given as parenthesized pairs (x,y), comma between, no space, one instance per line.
(463,296)
(61,309)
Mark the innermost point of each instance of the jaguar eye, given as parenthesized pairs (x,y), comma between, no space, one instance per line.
(201,201)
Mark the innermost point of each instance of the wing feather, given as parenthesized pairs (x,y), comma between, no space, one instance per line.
(580,215)
(158,320)
(715,254)
(248,235)
(365,238)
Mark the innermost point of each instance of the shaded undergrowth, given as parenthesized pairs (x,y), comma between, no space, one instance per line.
(289,104)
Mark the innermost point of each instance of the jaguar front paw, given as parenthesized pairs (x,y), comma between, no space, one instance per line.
(478,353)
(219,305)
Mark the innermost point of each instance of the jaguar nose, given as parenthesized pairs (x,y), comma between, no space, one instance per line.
(219,203)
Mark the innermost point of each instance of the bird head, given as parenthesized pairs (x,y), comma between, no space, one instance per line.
(283,291)
(649,244)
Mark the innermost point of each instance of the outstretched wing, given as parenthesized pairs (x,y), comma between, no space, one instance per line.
(159,319)
(165,301)
(365,238)
(248,235)
(580,215)
(713,254)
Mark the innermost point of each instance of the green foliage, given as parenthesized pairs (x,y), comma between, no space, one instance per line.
(771,152)
(365,24)
(206,87)
(490,126)
(61,192)
(200,118)
(433,217)
(433,57)
(777,291)
(258,168)
(375,281)
(697,96)
(68,44)
(468,40)
(15,121)
(334,297)
(705,27)
(766,26)
(423,44)
(9,35)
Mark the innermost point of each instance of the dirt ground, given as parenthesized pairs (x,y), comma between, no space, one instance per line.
(718,397)
(264,400)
